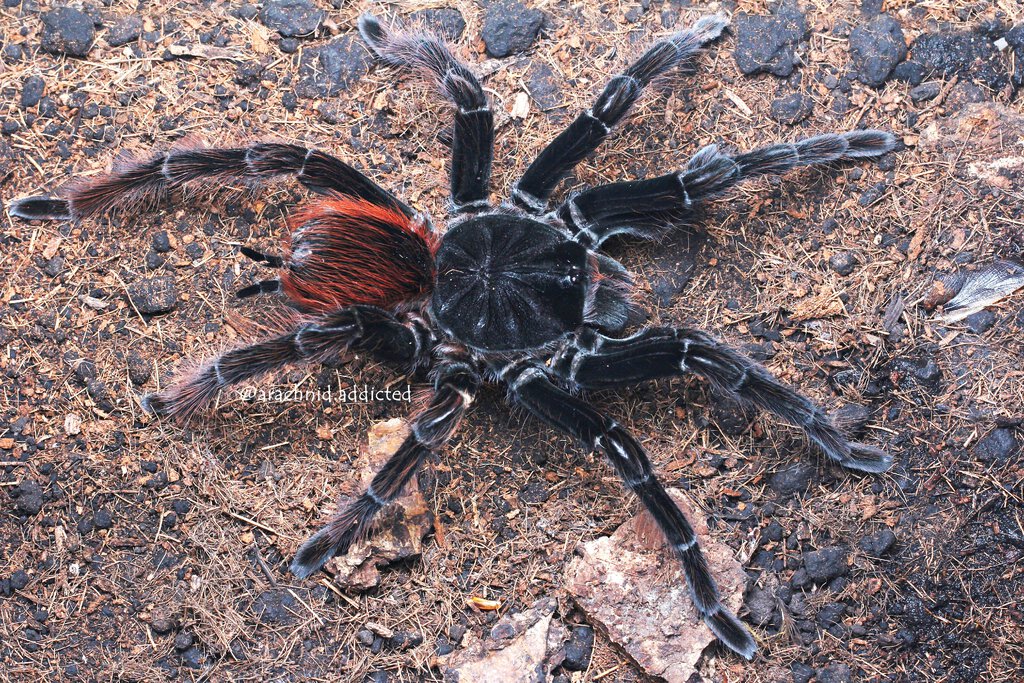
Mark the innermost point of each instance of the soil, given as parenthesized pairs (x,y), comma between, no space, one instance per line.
(134,549)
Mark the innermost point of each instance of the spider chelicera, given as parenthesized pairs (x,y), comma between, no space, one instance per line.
(516,294)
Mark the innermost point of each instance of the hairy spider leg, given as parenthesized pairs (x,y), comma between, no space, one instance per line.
(591,127)
(597,362)
(530,388)
(456,381)
(645,207)
(473,134)
(407,341)
(137,186)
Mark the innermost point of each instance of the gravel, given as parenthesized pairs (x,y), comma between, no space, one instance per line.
(876,47)
(154,295)
(67,31)
(766,44)
(827,563)
(292,18)
(510,28)
(792,108)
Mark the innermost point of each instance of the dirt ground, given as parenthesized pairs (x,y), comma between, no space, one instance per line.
(132,549)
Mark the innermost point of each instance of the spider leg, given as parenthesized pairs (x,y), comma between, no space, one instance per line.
(455,385)
(530,388)
(259,257)
(135,186)
(644,207)
(591,127)
(594,361)
(364,327)
(473,134)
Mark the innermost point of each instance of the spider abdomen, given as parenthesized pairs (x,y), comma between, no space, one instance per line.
(506,282)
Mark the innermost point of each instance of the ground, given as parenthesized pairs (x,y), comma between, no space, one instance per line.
(132,549)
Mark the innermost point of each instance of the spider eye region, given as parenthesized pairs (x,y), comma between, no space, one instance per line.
(509,283)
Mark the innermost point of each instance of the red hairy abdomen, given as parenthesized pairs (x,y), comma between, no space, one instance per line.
(345,251)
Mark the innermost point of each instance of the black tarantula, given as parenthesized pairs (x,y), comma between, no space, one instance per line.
(518,294)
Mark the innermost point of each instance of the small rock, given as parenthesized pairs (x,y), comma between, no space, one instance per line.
(276,606)
(54,266)
(29,497)
(19,579)
(924,92)
(1015,38)
(830,615)
(162,621)
(579,649)
(833,673)
(761,606)
(998,446)
(843,263)
(193,658)
(876,48)
(161,242)
(154,295)
(292,18)
(32,91)
(102,519)
(534,492)
(183,641)
(909,72)
(967,54)
(878,543)
(330,69)
(925,372)
(766,44)
(792,108)
(791,479)
(140,369)
(964,93)
(980,322)
(126,30)
(544,86)
(67,31)
(510,28)
(444,21)
(827,563)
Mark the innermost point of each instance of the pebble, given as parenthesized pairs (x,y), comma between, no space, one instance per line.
(833,673)
(878,543)
(193,658)
(29,497)
(154,295)
(876,47)
(967,54)
(924,92)
(791,479)
(921,371)
(447,22)
(126,30)
(102,519)
(183,641)
(332,68)
(843,263)
(792,108)
(140,369)
(765,44)
(510,28)
(534,492)
(292,18)
(579,648)
(275,606)
(761,606)
(827,563)
(32,91)
(998,446)
(19,579)
(830,615)
(67,31)
(980,322)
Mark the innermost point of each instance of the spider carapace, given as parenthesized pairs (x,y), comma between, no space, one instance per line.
(518,294)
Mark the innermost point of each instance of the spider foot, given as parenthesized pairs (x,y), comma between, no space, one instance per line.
(864,458)
(41,208)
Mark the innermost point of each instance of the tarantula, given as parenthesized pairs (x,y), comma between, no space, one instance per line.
(517,294)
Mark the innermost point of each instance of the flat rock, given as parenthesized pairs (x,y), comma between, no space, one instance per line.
(510,28)
(827,563)
(971,55)
(400,527)
(67,31)
(792,108)
(126,30)
(515,651)
(766,44)
(876,47)
(631,587)
(331,68)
